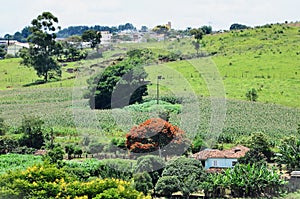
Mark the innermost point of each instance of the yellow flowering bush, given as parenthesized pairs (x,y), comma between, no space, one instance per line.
(51,182)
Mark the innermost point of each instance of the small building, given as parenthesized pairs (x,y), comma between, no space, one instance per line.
(105,37)
(14,48)
(294,182)
(217,159)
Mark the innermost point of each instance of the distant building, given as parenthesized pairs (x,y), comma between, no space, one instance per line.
(169,25)
(14,48)
(106,37)
(217,159)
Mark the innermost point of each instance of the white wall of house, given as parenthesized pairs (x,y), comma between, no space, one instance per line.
(15,48)
(220,163)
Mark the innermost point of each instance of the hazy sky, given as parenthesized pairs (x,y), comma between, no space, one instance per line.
(220,14)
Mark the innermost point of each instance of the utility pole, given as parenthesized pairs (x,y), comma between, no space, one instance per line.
(159,77)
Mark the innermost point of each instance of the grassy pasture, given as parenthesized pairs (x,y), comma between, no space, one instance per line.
(258,58)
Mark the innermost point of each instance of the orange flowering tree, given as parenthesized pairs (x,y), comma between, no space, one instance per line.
(153,135)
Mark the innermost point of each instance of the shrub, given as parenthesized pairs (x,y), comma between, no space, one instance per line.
(252,95)
(3,127)
(33,136)
(153,135)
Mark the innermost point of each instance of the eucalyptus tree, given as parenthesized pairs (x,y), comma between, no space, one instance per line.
(43,47)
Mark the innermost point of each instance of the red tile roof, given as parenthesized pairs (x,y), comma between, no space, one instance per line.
(234,153)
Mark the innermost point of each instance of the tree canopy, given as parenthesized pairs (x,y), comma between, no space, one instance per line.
(43,47)
(188,172)
(121,84)
(92,36)
(153,135)
(289,153)
(237,26)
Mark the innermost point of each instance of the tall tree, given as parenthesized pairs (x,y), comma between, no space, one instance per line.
(43,47)
(161,29)
(8,37)
(33,135)
(121,84)
(92,36)
(188,171)
(198,35)
(153,135)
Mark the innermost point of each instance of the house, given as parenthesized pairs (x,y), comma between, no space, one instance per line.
(14,48)
(217,159)
(105,37)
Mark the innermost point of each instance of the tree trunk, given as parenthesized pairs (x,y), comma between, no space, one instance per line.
(46,77)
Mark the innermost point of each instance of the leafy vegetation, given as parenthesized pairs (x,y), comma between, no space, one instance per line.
(16,162)
(121,84)
(50,182)
(43,47)
(245,181)
(248,58)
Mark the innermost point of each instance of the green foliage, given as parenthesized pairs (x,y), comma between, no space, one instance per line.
(259,142)
(143,182)
(71,51)
(206,29)
(33,135)
(2,51)
(253,156)
(167,185)
(55,154)
(121,84)
(43,46)
(92,36)
(188,171)
(70,149)
(151,164)
(50,182)
(197,143)
(289,153)
(161,29)
(8,145)
(95,148)
(245,181)
(252,95)
(152,106)
(198,35)
(14,162)
(3,127)
(237,26)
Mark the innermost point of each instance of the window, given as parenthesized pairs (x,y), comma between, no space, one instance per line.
(215,163)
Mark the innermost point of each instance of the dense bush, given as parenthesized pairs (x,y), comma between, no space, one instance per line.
(2,127)
(121,84)
(50,182)
(187,173)
(245,181)
(151,164)
(33,135)
(152,106)
(289,153)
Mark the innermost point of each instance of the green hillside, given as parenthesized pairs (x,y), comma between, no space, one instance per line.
(267,59)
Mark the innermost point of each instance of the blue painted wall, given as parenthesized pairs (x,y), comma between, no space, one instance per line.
(219,163)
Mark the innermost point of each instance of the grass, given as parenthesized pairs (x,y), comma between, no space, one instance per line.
(258,58)
(13,162)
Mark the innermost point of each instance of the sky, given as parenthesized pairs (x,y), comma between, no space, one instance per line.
(220,14)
